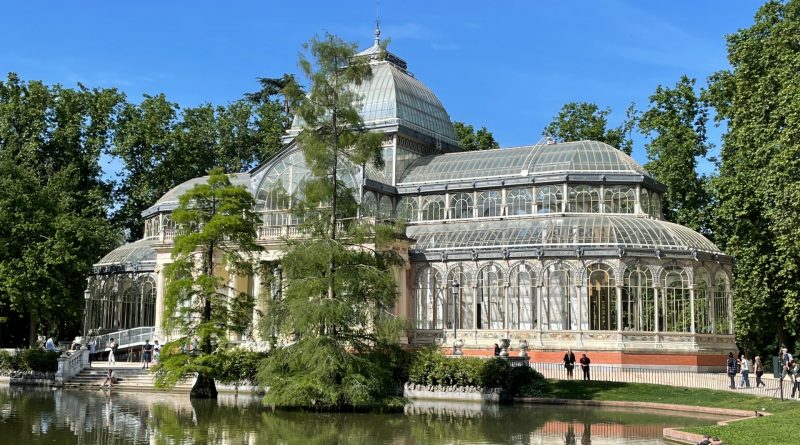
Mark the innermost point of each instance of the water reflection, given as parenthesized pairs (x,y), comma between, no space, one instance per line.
(42,416)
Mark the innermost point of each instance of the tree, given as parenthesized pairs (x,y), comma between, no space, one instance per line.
(217,237)
(472,140)
(758,186)
(334,316)
(580,121)
(53,201)
(675,125)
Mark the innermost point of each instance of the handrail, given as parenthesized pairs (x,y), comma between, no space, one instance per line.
(126,337)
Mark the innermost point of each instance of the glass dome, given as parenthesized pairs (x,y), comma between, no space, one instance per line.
(132,254)
(537,160)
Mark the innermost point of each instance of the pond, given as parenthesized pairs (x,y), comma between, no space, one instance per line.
(43,416)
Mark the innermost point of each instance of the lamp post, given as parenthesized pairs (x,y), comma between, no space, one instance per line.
(454,291)
(87,295)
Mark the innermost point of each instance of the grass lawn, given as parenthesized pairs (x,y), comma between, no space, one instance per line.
(776,429)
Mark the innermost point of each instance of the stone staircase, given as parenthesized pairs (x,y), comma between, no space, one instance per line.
(134,378)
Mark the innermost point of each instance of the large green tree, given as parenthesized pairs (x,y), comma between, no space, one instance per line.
(53,201)
(217,237)
(675,126)
(334,315)
(580,121)
(758,185)
(472,140)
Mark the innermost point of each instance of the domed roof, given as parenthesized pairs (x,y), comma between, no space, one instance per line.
(537,160)
(170,199)
(566,231)
(140,254)
(394,96)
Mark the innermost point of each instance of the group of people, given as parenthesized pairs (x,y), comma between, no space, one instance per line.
(569,364)
(150,355)
(788,365)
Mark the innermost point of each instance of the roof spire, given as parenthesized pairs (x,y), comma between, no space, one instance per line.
(377,23)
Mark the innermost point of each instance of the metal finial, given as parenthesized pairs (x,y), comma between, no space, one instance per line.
(377,23)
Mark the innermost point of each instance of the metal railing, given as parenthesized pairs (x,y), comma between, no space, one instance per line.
(126,338)
(775,387)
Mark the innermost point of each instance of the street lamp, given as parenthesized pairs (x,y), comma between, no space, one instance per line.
(454,291)
(87,295)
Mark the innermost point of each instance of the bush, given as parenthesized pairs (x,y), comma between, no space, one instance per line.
(430,367)
(8,361)
(38,360)
(237,366)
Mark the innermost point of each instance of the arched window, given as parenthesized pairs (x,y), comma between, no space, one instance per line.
(490,203)
(148,301)
(429,301)
(655,205)
(519,202)
(723,305)
(638,300)
(602,298)
(549,198)
(385,208)
(369,205)
(619,199)
(432,208)
(675,304)
(644,200)
(702,303)
(461,205)
(459,286)
(407,209)
(492,307)
(559,305)
(583,199)
(522,298)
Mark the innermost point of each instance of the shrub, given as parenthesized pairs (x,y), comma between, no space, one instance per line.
(8,361)
(527,382)
(237,366)
(38,360)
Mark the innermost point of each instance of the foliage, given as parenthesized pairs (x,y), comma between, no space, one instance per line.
(238,366)
(217,233)
(580,121)
(33,359)
(677,119)
(53,201)
(8,361)
(472,140)
(337,294)
(525,381)
(758,220)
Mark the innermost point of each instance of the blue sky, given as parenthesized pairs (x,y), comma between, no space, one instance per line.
(507,65)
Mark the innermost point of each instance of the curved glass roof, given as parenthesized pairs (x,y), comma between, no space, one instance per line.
(174,193)
(577,231)
(392,95)
(130,254)
(567,157)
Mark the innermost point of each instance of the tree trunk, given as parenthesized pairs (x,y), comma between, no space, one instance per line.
(204,388)
(32,331)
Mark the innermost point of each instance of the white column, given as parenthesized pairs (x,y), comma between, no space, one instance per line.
(619,307)
(655,312)
(231,291)
(259,306)
(160,293)
(691,308)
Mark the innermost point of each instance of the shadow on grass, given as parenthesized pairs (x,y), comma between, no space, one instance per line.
(581,390)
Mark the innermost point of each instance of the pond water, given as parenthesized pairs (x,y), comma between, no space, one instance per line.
(41,416)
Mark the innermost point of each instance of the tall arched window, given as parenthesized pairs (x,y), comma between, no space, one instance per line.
(148,301)
(432,208)
(490,203)
(723,305)
(644,201)
(675,304)
(407,209)
(522,298)
(583,199)
(462,294)
(702,302)
(655,205)
(461,205)
(549,199)
(519,202)
(369,204)
(619,199)
(492,313)
(602,298)
(638,300)
(385,208)
(559,305)
(429,301)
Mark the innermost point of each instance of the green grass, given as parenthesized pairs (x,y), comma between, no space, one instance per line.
(777,428)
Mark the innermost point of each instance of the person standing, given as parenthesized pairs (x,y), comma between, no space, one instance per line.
(795,373)
(112,348)
(496,350)
(758,368)
(731,368)
(569,362)
(585,366)
(745,366)
(147,352)
(156,351)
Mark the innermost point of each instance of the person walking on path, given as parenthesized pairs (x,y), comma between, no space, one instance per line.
(147,352)
(731,368)
(569,363)
(112,348)
(745,366)
(585,366)
(758,368)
